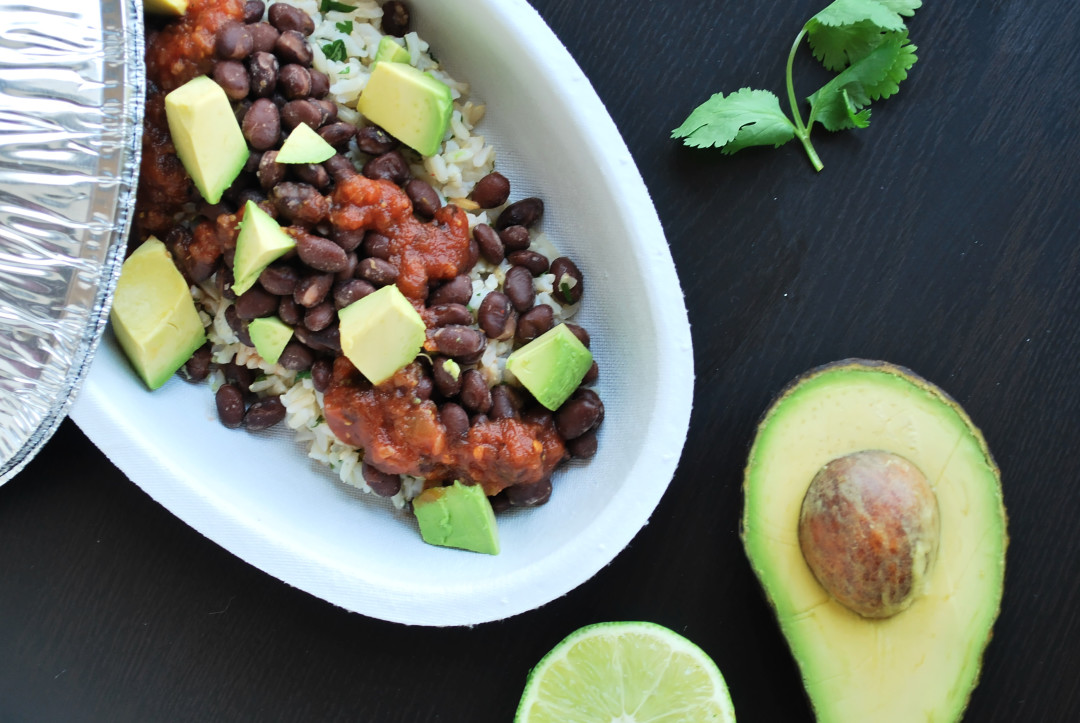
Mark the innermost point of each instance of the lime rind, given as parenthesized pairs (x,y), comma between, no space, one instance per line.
(625,672)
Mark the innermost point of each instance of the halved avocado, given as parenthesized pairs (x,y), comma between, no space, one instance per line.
(920,663)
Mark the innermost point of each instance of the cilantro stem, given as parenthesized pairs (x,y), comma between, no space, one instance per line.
(801,130)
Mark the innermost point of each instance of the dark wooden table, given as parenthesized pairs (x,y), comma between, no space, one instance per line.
(944,238)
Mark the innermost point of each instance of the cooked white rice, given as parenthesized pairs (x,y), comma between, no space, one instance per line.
(464,158)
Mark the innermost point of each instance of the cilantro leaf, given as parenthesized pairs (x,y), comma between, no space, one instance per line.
(327,5)
(906,8)
(849,12)
(838,47)
(878,75)
(336,51)
(345,26)
(736,121)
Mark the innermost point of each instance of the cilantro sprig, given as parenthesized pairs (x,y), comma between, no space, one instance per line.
(864,41)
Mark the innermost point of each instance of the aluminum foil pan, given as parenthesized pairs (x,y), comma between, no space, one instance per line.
(71,102)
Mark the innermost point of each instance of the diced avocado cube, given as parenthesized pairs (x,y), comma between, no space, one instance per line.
(304,146)
(390,51)
(153,314)
(269,334)
(260,242)
(457,516)
(381,333)
(551,366)
(207,136)
(166,7)
(409,104)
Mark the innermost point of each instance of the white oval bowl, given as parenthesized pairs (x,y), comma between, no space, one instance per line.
(261,498)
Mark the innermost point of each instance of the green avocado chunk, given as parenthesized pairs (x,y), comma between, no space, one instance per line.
(153,314)
(409,104)
(874,452)
(381,333)
(390,51)
(207,136)
(551,366)
(304,146)
(260,242)
(457,516)
(269,334)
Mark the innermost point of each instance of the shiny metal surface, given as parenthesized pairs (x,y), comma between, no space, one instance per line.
(71,103)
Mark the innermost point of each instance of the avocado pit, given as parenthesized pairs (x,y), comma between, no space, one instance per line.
(869,530)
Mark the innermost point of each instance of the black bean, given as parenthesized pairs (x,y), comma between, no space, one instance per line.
(584,446)
(296,112)
(270,172)
(300,202)
(320,253)
(449,314)
(225,282)
(289,311)
(381,483)
(197,368)
(253,11)
(238,325)
(455,419)
(263,36)
(239,376)
(580,413)
(340,167)
(286,17)
(519,287)
(252,166)
(347,273)
(499,502)
(233,78)
(279,279)
(423,388)
(529,495)
(395,20)
(568,281)
(255,303)
(592,375)
(233,41)
(374,141)
(535,262)
(291,47)
(230,405)
(457,341)
(478,419)
(320,83)
(322,372)
(351,290)
(447,376)
(320,316)
(263,68)
(496,316)
(457,290)
(262,125)
(390,166)
(491,191)
(475,395)
(491,246)
(579,332)
(327,340)
(505,402)
(313,174)
(425,200)
(525,212)
(535,322)
(348,240)
(474,253)
(296,357)
(378,271)
(377,245)
(338,134)
(294,81)
(329,110)
(515,238)
(264,413)
(312,290)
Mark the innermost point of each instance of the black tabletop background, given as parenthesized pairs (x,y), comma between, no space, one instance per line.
(943,238)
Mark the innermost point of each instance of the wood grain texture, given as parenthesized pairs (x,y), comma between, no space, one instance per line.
(943,238)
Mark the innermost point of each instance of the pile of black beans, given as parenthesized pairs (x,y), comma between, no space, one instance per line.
(265,69)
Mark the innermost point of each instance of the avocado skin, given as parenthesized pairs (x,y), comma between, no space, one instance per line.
(747,523)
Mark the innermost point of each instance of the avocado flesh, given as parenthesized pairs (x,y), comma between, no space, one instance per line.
(922,663)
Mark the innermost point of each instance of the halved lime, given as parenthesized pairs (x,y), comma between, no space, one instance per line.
(625,672)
